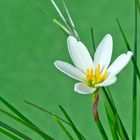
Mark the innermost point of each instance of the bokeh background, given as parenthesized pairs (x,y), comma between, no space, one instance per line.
(30,43)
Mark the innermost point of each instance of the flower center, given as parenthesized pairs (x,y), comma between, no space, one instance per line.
(94,77)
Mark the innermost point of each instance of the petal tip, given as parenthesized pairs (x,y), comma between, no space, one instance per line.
(56,62)
(109,37)
(71,38)
(129,53)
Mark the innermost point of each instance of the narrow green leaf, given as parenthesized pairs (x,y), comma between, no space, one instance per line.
(13,130)
(129,48)
(8,134)
(101,129)
(60,13)
(134,114)
(20,115)
(78,134)
(44,11)
(70,20)
(93,41)
(114,114)
(48,112)
(62,27)
(112,124)
(63,128)
(15,110)
(138,5)
(35,129)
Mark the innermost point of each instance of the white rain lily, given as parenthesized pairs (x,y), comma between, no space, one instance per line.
(96,73)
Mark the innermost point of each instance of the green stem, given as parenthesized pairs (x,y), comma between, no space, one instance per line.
(101,129)
(14,131)
(8,134)
(134,118)
(96,116)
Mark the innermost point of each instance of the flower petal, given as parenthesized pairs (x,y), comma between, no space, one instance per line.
(107,82)
(104,52)
(82,88)
(69,70)
(79,54)
(119,64)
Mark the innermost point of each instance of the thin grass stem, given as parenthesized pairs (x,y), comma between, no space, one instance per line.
(134,115)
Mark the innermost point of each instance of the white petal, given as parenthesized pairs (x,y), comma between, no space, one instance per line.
(82,88)
(79,54)
(119,63)
(104,52)
(69,70)
(107,82)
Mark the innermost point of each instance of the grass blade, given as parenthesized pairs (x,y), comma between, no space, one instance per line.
(60,13)
(25,119)
(62,27)
(8,134)
(78,134)
(35,129)
(63,128)
(70,20)
(112,125)
(13,130)
(48,112)
(138,5)
(134,114)
(15,110)
(101,129)
(129,48)
(113,111)
(93,41)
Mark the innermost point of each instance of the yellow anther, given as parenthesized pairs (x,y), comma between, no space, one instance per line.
(95,77)
(99,78)
(104,75)
(91,74)
(88,73)
(98,71)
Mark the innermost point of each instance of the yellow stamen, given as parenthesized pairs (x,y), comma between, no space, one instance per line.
(104,75)
(95,77)
(91,74)
(98,71)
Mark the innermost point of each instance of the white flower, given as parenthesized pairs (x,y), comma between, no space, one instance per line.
(96,73)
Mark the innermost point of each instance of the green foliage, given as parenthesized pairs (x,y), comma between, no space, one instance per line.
(24,120)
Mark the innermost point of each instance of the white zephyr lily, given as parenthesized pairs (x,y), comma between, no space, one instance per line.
(92,74)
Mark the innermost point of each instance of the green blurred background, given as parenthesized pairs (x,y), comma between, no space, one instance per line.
(30,43)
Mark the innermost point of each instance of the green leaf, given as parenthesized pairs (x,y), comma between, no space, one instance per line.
(93,41)
(35,129)
(129,48)
(62,27)
(13,130)
(8,134)
(25,119)
(78,134)
(101,129)
(112,124)
(138,5)
(134,113)
(48,112)
(15,110)
(63,128)
(60,14)
(70,20)
(113,114)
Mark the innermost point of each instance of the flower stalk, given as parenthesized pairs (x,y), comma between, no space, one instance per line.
(96,115)
(95,106)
